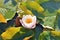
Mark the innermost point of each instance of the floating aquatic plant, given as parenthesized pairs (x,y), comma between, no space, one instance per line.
(29,19)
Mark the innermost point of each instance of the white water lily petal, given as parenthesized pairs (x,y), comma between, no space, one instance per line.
(31,19)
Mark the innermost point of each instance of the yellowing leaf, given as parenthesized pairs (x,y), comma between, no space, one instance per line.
(10,32)
(29,12)
(25,9)
(55,33)
(35,6)
(58,10)
(27,38)
(2,19)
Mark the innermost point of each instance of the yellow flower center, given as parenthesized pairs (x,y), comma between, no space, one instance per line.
(28,20)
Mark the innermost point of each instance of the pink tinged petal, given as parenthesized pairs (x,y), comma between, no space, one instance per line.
(31,25)
(22,22)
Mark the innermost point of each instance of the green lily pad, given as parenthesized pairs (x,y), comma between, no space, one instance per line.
(8,10)
(9,15)
(1,3)
(57,22)
(22,34)
(45,35)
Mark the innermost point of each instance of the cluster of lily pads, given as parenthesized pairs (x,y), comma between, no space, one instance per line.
(29,19)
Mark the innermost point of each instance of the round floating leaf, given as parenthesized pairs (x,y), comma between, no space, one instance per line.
(10,32)
(8,10)
(22,34)
(45,35)
(9,14)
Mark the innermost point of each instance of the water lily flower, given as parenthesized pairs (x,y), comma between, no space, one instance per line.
(28,21)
